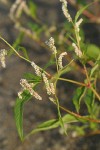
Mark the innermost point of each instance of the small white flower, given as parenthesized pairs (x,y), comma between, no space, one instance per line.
(45,79)
(77,50)
(28,86)
(60,59)
(65,10)
(64,2)
(20,94)
(51,44)
(52,88)
(77,25)
(51,99)
(77,28)
(37,69)
(3,53)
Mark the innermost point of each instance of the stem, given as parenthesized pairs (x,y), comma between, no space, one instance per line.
(87,76)
(94,91)
(79,116)
(72,81)
(21,56)
(56,62)
(15,50)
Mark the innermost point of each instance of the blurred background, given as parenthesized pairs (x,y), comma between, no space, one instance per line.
(31,30)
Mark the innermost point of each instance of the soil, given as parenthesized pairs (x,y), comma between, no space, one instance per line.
(34,111)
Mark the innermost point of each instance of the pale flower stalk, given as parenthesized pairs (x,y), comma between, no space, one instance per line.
(3,53)
(60,59)
(65,10)
(77,50)
(51,44)
(28,86)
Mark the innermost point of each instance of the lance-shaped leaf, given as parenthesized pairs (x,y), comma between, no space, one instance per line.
(81,11)
(18,110)
(79,94)
(89,100)
(54,123)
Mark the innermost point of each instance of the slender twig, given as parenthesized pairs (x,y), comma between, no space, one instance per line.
(79,116)
(72,81)
(21,56)
(94,91)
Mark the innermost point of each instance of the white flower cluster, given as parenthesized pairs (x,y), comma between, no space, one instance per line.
(77,25)
(49,86)
(28,86)
(77,50)
(65,10)
(60,59)
(3,53)
(37,69)
(51,44)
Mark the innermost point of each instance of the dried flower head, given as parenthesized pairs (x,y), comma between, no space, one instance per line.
(77,50)
(65,10)
(51,44)
(28,86)
(37,69)
(3,53)
(60,59)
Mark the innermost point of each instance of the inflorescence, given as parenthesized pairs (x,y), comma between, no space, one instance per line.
(3,53)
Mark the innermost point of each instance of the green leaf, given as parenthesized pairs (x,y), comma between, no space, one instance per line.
(80,12)
(81,2)
(54,123)
(73,40)
(94,69)
(32,78)
(33,26)
(16,43)
(24,51)
(89,100)
(50,63)
(18,111)
(33,9)
(79,94)
(92,51)
(59,116)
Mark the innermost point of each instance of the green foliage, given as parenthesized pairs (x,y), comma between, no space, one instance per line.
(86,91)
(92,52)
(32,8)
(19,112)
(32,78)
(78,96)
(89,100)
(80,12)
(16,43)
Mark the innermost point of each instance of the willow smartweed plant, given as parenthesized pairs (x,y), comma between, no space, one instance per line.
(87,90)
